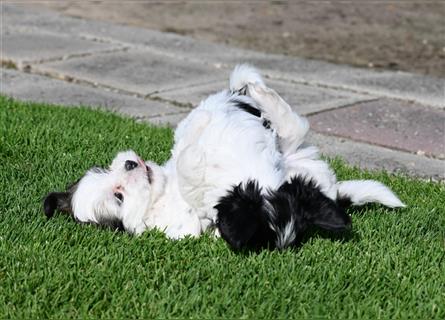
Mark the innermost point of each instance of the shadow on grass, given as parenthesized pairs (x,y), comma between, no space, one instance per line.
(312,232)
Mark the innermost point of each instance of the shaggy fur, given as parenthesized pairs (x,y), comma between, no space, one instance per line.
(239,163)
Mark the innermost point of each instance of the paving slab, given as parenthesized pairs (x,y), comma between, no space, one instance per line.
(373,157)
(137,71)
(37,88)
(32,46)
(401,85)
(391,123)
(17,16)
(193,95)
(308,100)
(302,98)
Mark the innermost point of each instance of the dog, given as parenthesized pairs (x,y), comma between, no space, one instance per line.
(239,164)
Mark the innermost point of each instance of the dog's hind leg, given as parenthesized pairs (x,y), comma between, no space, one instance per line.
(291,130)
(290,127)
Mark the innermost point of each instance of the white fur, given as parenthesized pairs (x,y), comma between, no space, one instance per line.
(242,75)
(287,235)
(94,183)
(365,191)
(216,146)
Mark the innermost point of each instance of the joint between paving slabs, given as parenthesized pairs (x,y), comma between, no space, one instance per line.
(321,85)
(27,65)
(371,92)
(342,106)
(158,115)
(70,79)
(175,103)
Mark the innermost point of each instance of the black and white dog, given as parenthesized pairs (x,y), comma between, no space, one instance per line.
(238,164)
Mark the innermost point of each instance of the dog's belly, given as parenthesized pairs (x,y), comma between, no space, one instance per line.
(230,146)
(238,148)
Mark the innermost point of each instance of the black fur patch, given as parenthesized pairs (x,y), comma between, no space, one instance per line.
(60,201)
(247,108)
(56,201)
(308,203)
(242,221)
(344,202)
(252,110)
(242,91)
(112,223)
(247,219)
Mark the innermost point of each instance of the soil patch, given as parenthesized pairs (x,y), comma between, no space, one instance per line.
(399,35)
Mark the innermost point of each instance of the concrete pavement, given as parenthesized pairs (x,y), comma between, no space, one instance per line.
(377,120)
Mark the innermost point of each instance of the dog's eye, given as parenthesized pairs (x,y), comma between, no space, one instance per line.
(130,165)
(119,196)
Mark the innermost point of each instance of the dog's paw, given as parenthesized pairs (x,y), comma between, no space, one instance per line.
(269,101)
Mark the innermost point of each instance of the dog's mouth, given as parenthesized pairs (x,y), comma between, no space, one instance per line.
(149,173)
(147,169)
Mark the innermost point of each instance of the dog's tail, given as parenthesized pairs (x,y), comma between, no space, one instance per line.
(242,75)
(359,192)
(247,219)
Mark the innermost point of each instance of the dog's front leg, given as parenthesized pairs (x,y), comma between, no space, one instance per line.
(189,133)
(191,167)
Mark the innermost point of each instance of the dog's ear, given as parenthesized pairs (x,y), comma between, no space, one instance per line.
(241,220)
(60,201)
(314,207)
(331,217)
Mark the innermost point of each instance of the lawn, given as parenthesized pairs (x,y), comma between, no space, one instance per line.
(392,265)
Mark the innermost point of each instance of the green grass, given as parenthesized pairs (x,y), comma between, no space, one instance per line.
(392,265)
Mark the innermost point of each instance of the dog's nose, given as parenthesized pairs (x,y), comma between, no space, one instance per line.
(130,165)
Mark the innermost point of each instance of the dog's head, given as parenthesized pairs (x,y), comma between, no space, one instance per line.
(119,197)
